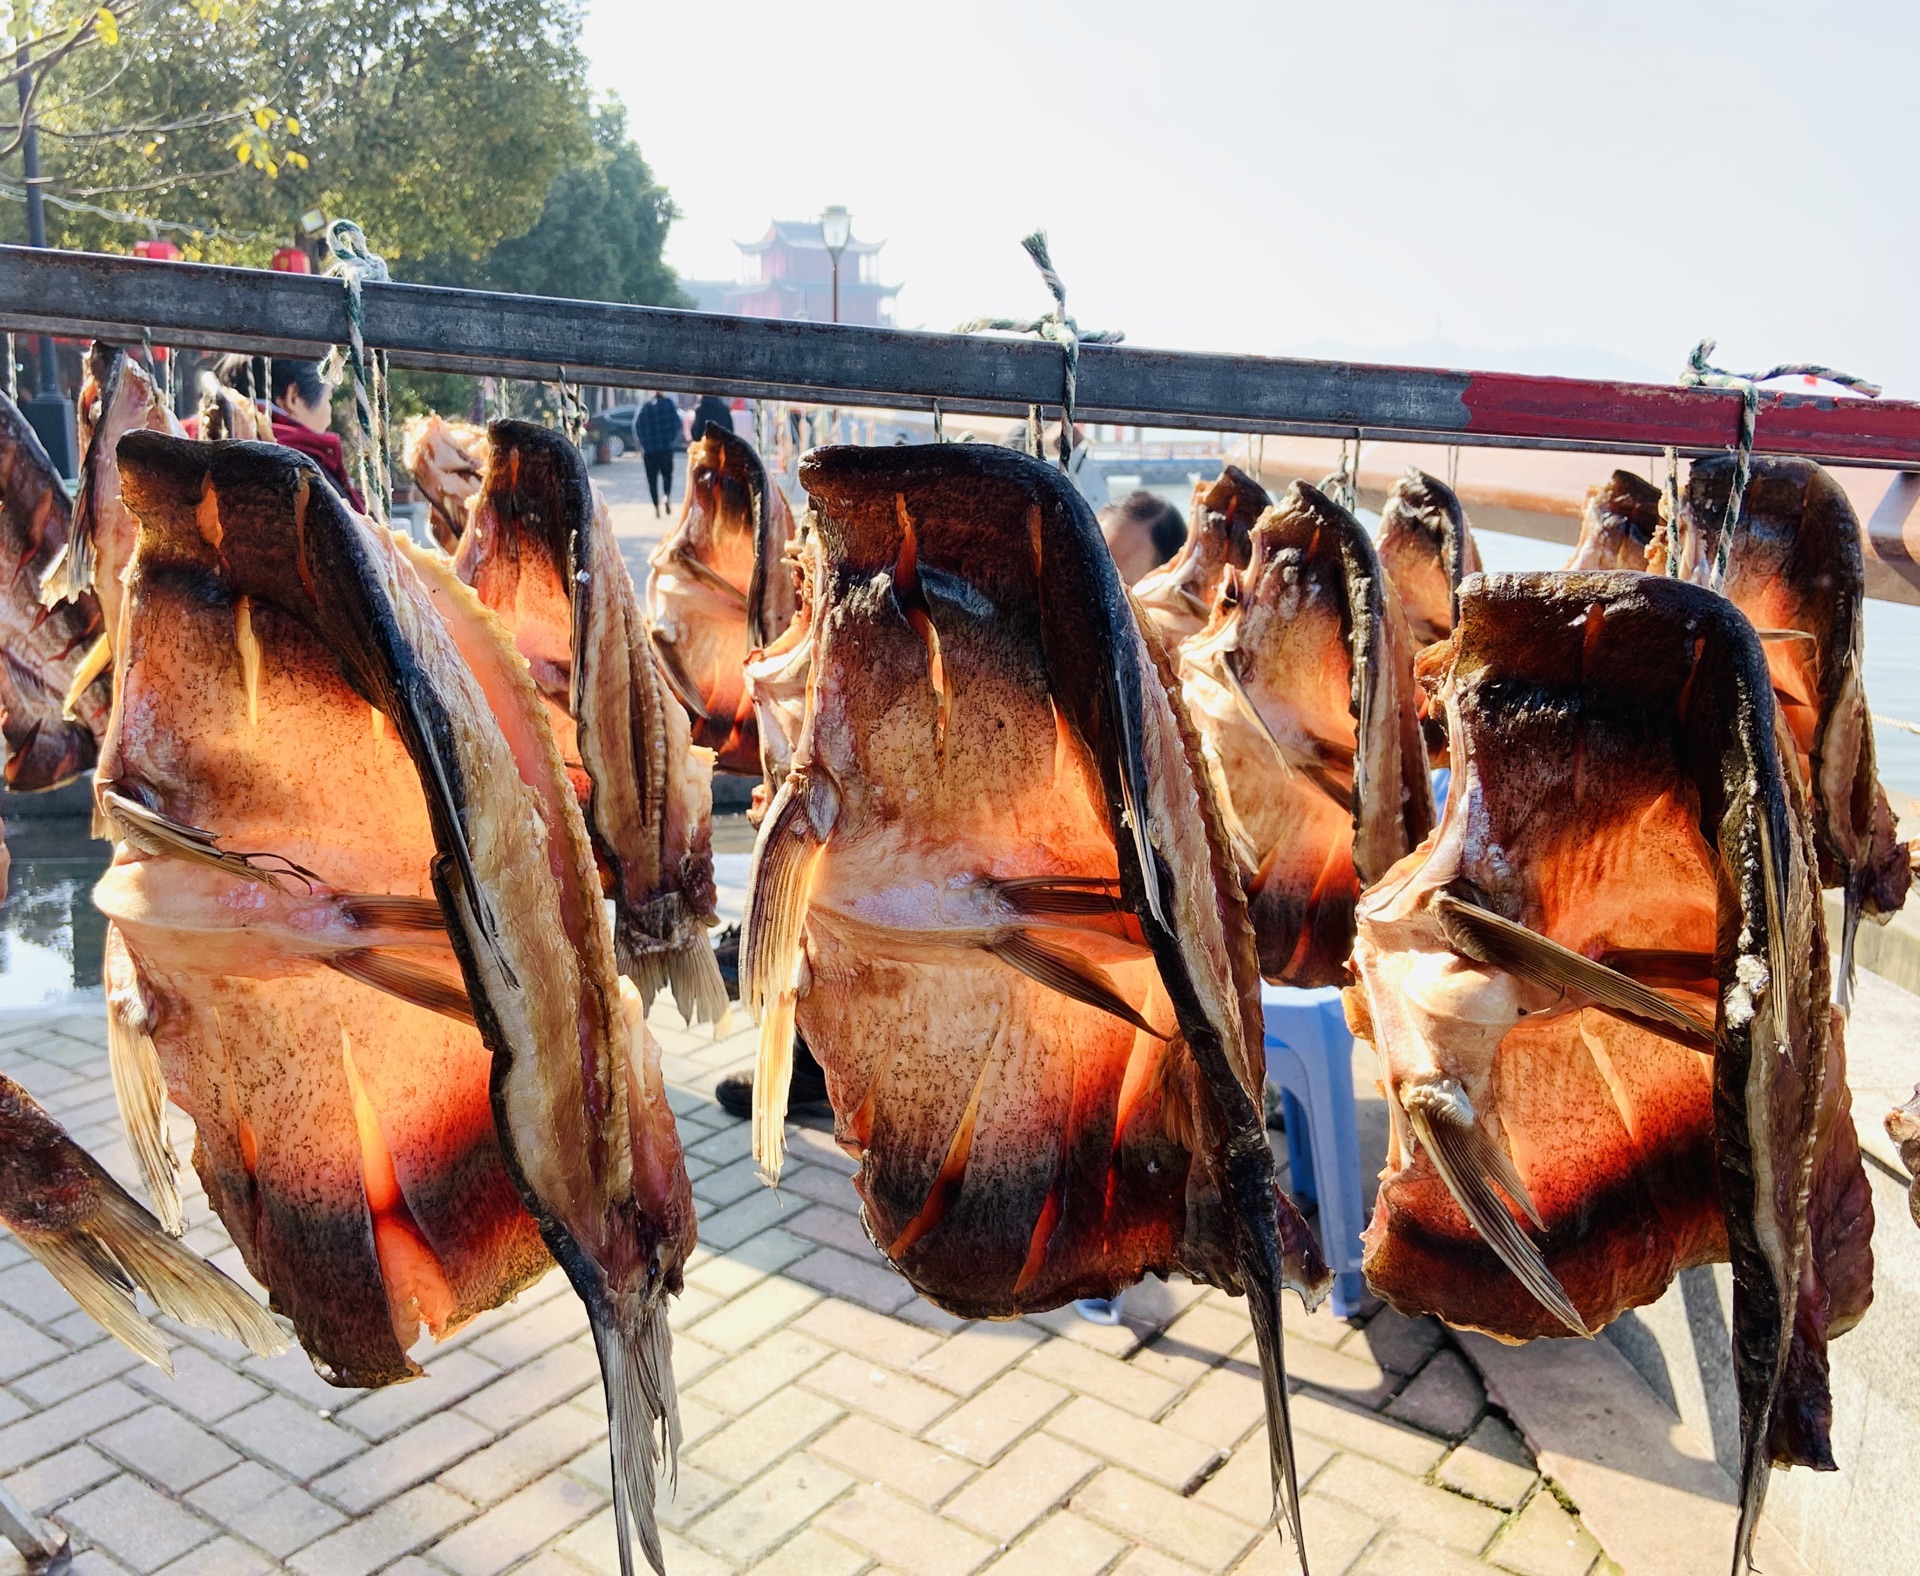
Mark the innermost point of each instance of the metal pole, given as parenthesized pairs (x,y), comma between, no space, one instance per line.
(47,410)
(836,284)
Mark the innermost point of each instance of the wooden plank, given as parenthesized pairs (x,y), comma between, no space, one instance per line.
(526,336)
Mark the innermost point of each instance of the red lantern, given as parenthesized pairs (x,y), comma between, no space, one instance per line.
(162,251)
(291,260)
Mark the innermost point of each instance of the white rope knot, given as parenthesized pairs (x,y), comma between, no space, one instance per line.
(1057,326)
(1701,373)
(350,261)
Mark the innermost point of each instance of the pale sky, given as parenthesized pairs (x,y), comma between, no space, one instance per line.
(1556,188)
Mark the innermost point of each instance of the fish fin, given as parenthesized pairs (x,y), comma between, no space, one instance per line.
(673,670)
(391,911)
(95,1279)
(710,577)
(1784,634)
(1061,897)
(1849,931)
(183,1285)
(771,951)
(140,1088)
(635,1348)
(154,833)
(440,993)
(53,580)
(686,967)
(1066,971)
(98,660)
(1470,1164)
(1486,937)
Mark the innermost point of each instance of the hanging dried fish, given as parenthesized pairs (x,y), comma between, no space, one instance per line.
(416,869)
(1426,549)
(44,648)
(1618,524)
(1600,998)
(994,896)
(1797,571)
(1178,597)
(540,552)
(1301,689)
(719,591)
(445,459)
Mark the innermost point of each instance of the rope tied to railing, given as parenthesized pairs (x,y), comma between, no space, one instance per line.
(1057,326)
(573,410)
(13,370)
(349,260)
(1701,373)
(1670,511)
(1343,486)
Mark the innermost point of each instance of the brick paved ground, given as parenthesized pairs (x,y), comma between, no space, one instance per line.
(835,1423)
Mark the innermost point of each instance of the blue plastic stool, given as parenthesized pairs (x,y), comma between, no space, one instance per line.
(1310,1056)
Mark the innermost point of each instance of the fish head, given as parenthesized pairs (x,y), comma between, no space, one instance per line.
(1426,550)
(1618,522)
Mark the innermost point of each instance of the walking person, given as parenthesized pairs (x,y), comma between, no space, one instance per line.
(657,428)
(711,409)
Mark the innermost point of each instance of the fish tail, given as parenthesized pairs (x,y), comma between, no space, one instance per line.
(180,1282)
(687,968)
(1262,1264)
(1260,1272)
(121,1249)
(141,1092)
(643,1415)
(1849,929)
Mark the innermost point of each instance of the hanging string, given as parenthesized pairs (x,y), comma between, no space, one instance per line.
(1034,443)
(1343,486)
(1058,327)
(1895,722)
(349,260)
(939,429)
(573,410)
(1700,373)
(1453,467)
(1670,511)
(13,370)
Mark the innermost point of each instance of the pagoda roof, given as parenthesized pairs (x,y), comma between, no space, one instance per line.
(802,235)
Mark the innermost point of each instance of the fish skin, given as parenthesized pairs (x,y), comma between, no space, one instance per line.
(1903,1127)
(118,397)
(1797,564)
(1426,548)
(1178,596)
(216,961)
(445,459)
(41,647)
(1618,524)
(539,550)
(719,591)
(778,676)
(578,1105)
(64,1209)
(1615,740)
(1018,1146)
(1330,774)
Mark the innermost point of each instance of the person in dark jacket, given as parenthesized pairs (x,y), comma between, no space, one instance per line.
(712,408)
(657,428)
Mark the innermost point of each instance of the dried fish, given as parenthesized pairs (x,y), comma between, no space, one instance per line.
(375,1157)
(1600,998)
(1178,597)
(1301,689)
(719,591)
(540,552)
(994,896)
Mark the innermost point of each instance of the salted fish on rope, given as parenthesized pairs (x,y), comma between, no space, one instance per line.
(994,896)
(1797,570)
(445,459)
(1301,689)
(1600,999)
(1178,597)
(719,591)
(363,945)
(53,713)
(540,552)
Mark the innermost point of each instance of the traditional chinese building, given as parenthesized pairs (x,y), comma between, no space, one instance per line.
(787,273)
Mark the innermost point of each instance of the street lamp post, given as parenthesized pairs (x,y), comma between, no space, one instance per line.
(48,411)
(836,229)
